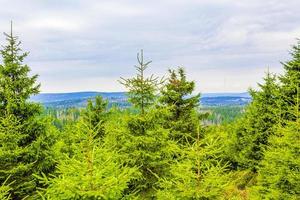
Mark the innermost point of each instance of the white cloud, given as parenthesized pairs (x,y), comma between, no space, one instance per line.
(226,45)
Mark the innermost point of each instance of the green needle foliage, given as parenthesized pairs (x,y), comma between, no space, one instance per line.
(16,84)
(176,96)
(290,82)
(147,146)
(142,89)
(92,171)
(279,172)
(97,114)
(163,147)
(198,173)
(4,190)
(257,124)
(25,139)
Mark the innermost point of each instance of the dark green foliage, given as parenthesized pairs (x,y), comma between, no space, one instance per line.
(16,85)
(96,114)
(257,124)
(175,95)
(279,172)
(142,90)
(147,146)
(25,140)
(290,82)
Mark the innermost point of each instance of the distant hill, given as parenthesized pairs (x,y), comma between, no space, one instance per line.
(79,99)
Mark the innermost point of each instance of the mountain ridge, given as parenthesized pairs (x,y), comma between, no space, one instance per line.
(79,99)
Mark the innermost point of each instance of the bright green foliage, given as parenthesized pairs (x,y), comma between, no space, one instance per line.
(279,173)
(91,171)
(147,146)
(142,90)
(198,174)
(4,191)
(290,82)
(175,95)
(257,124)
(166,149)
(25,140)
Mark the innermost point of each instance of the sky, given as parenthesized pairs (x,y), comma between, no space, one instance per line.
(87,45)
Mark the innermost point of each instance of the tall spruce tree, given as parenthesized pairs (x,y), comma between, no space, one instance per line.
(278,174)
(254,129)
(176,96)
(145,141)
(24,149)
(16,84)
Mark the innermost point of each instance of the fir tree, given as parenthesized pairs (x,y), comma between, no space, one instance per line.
(147,146)
(24,140)
(142,90)
(290,81)
(96,113)
(176,95)
(257,124)
(279,172)
(145,141)
(90,170)
(15,83)
(198,173)
(278,176)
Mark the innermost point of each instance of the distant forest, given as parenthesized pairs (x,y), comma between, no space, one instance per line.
(163,146)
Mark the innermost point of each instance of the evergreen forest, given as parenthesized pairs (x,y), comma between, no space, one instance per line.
(164,146)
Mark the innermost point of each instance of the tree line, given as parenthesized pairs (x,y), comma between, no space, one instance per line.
(160,148)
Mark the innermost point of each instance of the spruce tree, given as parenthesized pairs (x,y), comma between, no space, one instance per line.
(279,171)
(257,124)
(145,141)
(96,112)
(290,81)
(278,175)
(198,173)
(146,144)
(142,89)
(91,170)
(176,95)
(24,139)
(15,83)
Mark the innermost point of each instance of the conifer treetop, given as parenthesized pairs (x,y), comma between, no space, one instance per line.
(142,89)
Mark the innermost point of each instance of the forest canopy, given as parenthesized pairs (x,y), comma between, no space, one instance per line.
(162,147)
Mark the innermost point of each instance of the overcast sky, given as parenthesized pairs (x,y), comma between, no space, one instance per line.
(86,45)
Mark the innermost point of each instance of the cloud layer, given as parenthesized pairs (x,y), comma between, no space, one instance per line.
(225,45)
